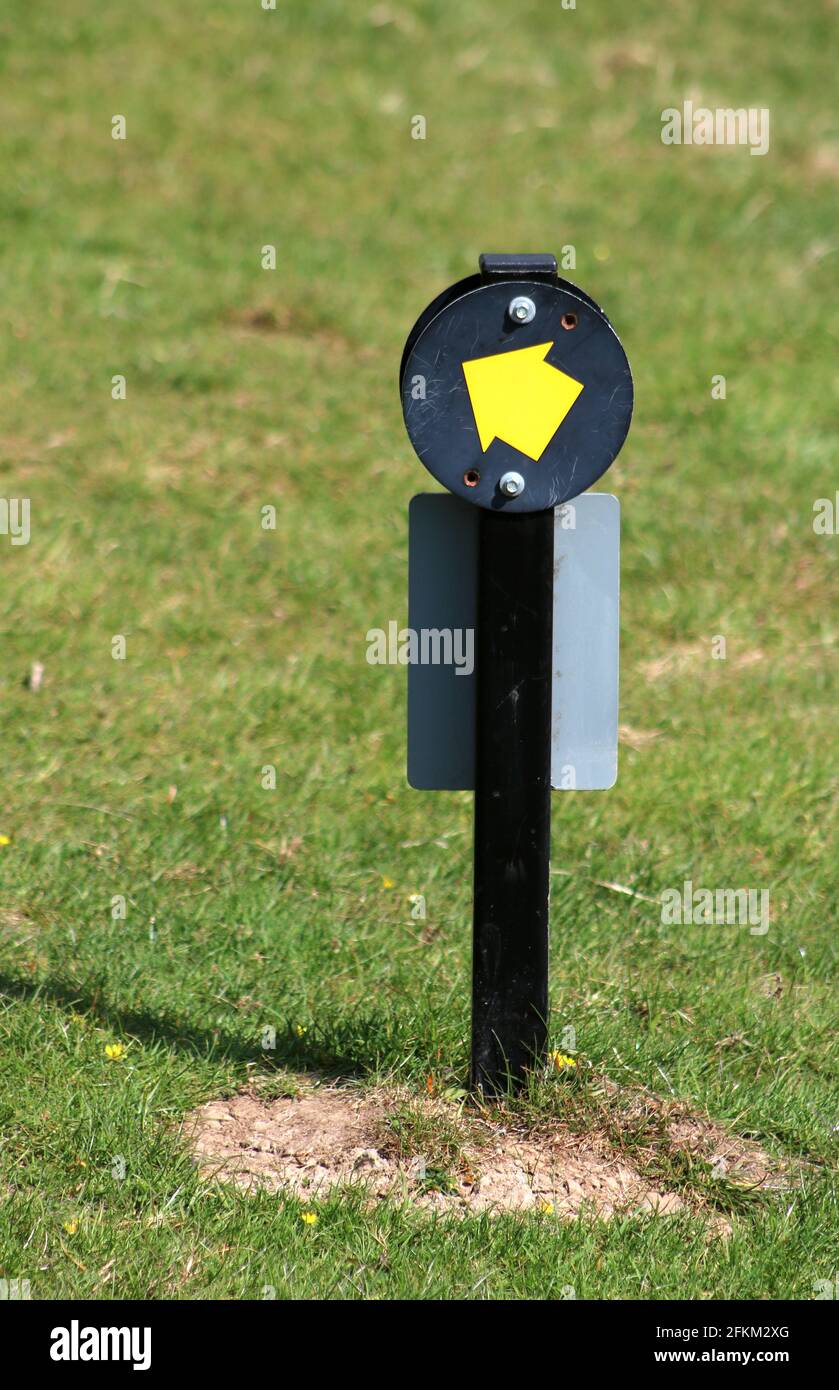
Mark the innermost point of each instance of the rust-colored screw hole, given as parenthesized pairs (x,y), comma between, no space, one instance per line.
(471,477)
(569,320)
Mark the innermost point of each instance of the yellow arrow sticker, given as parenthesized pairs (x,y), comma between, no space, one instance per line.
(520,398)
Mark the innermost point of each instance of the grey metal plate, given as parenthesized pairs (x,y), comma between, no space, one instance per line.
(442,596)
(442,599)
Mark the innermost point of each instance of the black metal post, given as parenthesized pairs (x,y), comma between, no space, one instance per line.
(512,797)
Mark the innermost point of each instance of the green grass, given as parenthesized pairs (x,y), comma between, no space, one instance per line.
(248,908)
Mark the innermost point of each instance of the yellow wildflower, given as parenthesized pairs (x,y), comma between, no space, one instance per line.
(113,1051)
(71,1227)
(308,1218)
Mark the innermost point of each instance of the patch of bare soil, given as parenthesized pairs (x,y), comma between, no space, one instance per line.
(330,1136)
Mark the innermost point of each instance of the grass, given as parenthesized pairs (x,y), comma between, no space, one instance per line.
(142,779)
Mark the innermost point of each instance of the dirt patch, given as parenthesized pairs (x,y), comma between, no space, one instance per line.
(328,1136)
(727,1155)
(666,1129)
(299,327)
(687,655)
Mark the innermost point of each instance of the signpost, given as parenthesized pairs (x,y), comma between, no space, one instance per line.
(517,396)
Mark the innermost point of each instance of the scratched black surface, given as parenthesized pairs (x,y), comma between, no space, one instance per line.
(442,426)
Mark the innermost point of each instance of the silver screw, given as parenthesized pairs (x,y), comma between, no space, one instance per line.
(512,484)
(521,309)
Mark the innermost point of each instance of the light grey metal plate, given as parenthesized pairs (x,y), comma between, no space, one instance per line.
(584,714)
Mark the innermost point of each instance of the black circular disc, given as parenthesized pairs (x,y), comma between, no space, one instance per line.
(548,400)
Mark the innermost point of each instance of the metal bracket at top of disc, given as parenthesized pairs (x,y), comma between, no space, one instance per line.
(516,392)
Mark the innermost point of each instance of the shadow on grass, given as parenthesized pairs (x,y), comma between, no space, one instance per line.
(354,1046)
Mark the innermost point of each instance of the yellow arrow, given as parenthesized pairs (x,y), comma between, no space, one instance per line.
(518,397)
